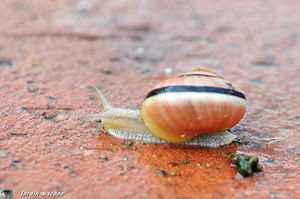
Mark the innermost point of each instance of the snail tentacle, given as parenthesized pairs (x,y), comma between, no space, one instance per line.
(106,104)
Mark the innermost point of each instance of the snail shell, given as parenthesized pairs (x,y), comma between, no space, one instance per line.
(195,108)
(191,104)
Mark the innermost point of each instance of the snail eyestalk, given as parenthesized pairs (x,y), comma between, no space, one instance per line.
(106,104)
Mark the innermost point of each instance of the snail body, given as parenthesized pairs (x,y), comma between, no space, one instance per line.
(195,109)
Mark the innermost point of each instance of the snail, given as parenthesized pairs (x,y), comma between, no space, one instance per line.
(194,109)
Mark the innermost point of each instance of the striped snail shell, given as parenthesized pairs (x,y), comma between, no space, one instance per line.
(194,109)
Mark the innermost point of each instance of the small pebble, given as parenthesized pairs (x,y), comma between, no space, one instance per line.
(88,152)
(168,71)
(85,87)
(4,154)
(202,43)
(140,50)
(61,117)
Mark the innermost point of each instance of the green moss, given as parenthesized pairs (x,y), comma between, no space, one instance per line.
(246,164)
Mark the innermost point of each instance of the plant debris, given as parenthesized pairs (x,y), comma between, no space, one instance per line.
(17,134)
(105,72)
(165,173)
(16,163)
(104,158)
(246,164)
(186,161)
(56,117)
(182,162)
(44,115)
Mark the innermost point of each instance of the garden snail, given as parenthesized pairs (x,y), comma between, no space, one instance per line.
(194,109)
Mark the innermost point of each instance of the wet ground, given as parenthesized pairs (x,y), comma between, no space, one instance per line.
(52,51)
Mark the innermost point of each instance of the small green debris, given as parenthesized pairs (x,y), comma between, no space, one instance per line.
(253,161)
(246,164)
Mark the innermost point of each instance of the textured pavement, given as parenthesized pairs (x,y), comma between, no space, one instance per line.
(51,52)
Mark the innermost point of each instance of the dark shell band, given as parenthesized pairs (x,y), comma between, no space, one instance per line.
(196,89)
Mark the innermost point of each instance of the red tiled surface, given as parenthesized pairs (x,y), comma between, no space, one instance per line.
(51,50)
